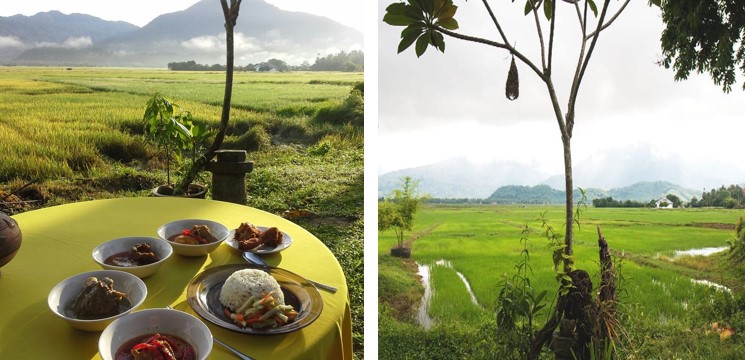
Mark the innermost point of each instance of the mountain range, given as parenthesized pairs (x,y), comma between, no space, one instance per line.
(263,31)
(510,182)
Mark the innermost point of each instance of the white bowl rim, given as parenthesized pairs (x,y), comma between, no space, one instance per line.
(199,323)
(168,249)
(91,273)
(162,229)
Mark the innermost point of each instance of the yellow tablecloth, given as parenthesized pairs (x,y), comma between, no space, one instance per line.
(58,241)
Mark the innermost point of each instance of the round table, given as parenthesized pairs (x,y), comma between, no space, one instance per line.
(58,241)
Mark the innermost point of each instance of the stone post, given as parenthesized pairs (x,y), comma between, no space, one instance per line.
(229,169)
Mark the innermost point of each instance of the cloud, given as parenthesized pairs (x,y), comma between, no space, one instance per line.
(203,43)
(216,43)
(248,49)
(10,41)
(78,42)
(81,42)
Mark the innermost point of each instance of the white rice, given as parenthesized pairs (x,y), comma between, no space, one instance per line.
(245,283)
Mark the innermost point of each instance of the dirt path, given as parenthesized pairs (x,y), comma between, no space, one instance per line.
(415,236)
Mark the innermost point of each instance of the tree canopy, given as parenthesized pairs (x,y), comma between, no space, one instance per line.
(397,211)
(705,37)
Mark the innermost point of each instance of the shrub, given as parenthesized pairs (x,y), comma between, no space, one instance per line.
(254,140)
(351,111)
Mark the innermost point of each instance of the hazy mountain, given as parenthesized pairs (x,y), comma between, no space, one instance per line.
(263,32)
(647,162)
(459,178)
(544,194)
(53,31)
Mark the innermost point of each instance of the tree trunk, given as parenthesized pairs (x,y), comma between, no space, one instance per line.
(231,16)
(569,188)
(544,335)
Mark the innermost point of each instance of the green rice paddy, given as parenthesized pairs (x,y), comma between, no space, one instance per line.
(483,243)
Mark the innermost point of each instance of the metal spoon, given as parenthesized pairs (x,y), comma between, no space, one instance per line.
(230,348)
(233,350)
(257,260)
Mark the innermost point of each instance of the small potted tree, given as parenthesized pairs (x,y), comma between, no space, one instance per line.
(397,212)
(182,141)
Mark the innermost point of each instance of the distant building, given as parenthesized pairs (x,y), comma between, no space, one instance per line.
(664,203)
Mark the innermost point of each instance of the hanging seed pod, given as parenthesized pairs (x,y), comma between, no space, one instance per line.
(512,90)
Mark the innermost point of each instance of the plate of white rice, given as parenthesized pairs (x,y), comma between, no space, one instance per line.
(229,286)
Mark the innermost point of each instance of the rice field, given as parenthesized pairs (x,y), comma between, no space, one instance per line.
(484,244)
(78,134)
(55,122)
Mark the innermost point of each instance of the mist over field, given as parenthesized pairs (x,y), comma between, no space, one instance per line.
(606,170)
(197,33)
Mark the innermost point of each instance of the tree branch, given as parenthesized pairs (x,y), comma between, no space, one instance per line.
(551,41)
(581,74)
(505,46)
(612,19)
(540,38)
(580,18)
(496,22)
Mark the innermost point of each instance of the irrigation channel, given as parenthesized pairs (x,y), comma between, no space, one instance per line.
(424,272)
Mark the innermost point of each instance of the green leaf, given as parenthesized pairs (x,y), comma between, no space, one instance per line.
(397,20)
(528,7)
(450,24)
(396,8)
(593,7)
(540,297)
(421,44)
(428,6)
(447,12)
(408,36)
(439,7)
(548,6)
(414,13)
(438,41)
(417,4)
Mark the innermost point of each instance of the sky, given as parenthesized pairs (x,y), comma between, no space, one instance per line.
(453,105)
(139,12)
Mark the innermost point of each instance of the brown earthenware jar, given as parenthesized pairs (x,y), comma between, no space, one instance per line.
(10,238)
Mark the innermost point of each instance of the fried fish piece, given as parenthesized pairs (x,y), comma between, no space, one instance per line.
(271,237)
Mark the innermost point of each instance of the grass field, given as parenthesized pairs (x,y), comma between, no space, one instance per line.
(66,120)
(77,135)
(483,244)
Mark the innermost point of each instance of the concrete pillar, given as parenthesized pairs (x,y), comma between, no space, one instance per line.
(229,169)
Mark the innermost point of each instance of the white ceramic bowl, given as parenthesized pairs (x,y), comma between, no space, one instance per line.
(161,248)
(217,230)
(64,293)
(146,322)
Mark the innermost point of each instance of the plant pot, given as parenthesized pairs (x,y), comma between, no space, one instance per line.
(196,191)
(10,239)
(402,252)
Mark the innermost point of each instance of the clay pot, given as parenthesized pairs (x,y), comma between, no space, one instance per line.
(10,239)
(402,252)
(196,191)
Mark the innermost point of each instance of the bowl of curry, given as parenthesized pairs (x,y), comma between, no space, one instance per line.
(138,255)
